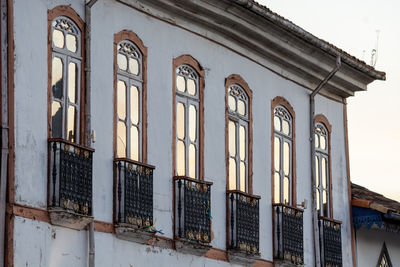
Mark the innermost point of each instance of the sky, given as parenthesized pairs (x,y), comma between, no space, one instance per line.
(358,27)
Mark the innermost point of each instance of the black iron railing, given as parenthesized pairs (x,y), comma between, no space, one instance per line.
(243,222)
(192,209)
(288,229)
(70,176)
(134,193)
(330,242)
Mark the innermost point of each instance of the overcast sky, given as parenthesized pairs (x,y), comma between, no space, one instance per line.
(374,116)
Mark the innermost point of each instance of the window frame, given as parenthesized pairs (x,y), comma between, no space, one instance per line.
(230,81)
(127,35)
(280,101)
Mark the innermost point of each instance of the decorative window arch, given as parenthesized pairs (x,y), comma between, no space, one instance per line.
(188,86)
(283,152)
(238,123)
(384,259)
(66,103)
(323,173)
(130,94)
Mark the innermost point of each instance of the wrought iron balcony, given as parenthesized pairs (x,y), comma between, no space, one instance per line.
(70,182)
(330,242)
(243,221)
(288,234)
(134,193)
(193,213)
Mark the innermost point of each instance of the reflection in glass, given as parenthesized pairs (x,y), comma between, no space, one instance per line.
(242,142)
(121,141)
(192,123)
(316,171)
(286,190)
(286,158)
(232,174)
(323,172)
(318,200)
(232,138)
(285,127)
(277,152)
(180,158)
(56,119)
(277,124)
(71,124)
(134,105)
(277,186)
(134,143)
(180,83)
(71,43)
(323,142)
(191,87)
(72,82)
(133,66)
(180,120)
(192,161)
(58,38)
(121,96)
(232,103)
(242,177)
(324,196)
(57,78)
(241,107)
(122,62)
(316,138)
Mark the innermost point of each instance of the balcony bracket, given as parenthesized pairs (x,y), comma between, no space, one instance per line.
(191,247)
(69,219)
(130,233)
(242,258)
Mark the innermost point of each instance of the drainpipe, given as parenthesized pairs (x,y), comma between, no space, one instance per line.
(312,144)
(88,29)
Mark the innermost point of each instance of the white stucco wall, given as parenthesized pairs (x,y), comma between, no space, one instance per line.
(164,42)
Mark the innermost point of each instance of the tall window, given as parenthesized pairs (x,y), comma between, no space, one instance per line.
(188,117)
(66,79)
(322,172)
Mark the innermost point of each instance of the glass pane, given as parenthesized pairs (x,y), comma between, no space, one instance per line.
(57,78)
(192,123)
(316,171)
(324,196)
(133,66)
(323,142)
(122,62)
(192,161)
(232,103)
(242,142)
(72,82)
(232,138)
(71,127)
(180,120)
(277,123)
(56,119)
(71,43)
(286,190)
(121,100)
(286,158)
(318,200)
(232,174)
(121,141)
(241,107)
(323,172)
(242,176)
(277,154)
(180,83)
(285,127)
(191,86)
(134,105)
(277,188)
(325,203)
(134,143)
(316,138)
(58,38)
(180,158)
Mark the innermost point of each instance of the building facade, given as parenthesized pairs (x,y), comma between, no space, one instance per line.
(173,133)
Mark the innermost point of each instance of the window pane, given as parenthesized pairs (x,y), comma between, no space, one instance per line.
(323,142)
(277,123)
(241,107)
(57,78)
(180,83)
(180,158)
(191,86)
(325,203)
(58,38)
(56,119)
(134,105)
(277,154)
(324,196)
(192,123)
(192,161)
(285,127)
(121,141)
(286,190)
(316,171)
(232,103)
(180,120)
(133,66)
(71,128)
(232,174)
(242,176)
(71,43)
(232,138)
(121,104)
(72,82)
(277,188)
(134,143)
(122,62)
(316,138)
(323,172)
(286,158)
(318,199)
(242,142)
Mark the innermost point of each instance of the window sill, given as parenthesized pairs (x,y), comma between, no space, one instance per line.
(68,219)
(242,257)
(131,233)
(191,247)
(285,263)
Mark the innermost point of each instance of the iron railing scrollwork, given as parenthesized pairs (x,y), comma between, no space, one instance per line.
(70,176)
(134,193)
(288,234)
(330,242)
(243,222)
(192,210)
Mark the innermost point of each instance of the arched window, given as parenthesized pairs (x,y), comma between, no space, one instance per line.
(130,54)
(238,134)
(283,157)
(188,118)
(322,166)
(66,52)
